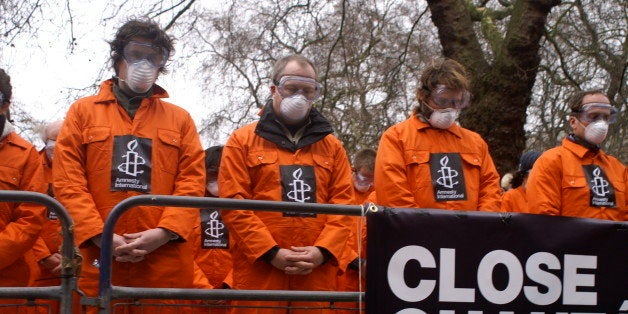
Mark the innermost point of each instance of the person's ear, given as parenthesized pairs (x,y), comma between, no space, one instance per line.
(573,122)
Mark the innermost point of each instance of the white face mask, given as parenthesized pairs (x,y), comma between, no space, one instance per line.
(596,131)
(361,187)
(212,187)
(295,108)
(141,76)
(444,118)
(50,149)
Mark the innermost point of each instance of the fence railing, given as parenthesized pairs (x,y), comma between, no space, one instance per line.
(107,292)
(69,262)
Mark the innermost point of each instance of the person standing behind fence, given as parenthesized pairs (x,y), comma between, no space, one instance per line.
(428,160)
(211,241)
(353,278)
(290,155)
(514,200)
(577,178)
(127,141)
(20,223)
(45,255)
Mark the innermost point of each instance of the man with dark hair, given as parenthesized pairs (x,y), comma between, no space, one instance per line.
(291,155)
(429,160)
(20,223)
(127,141)
(577,178)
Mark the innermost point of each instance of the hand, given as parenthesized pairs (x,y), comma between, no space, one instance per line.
(121,256)
(279,261)
(53,263)
(141,243)
(303,260)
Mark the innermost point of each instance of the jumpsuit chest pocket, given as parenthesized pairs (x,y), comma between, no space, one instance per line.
(10,178)
(167,153)
(574,182)
(324,162)
(417,163)
(416,157)
(263,168)
(98,147)
(261,158)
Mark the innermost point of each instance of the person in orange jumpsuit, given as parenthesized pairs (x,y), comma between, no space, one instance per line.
(291,155)
(127,141)
(45,257)
(578,178)
(429,160)
(211,241)
(353,278)
(514,200)
(20,223)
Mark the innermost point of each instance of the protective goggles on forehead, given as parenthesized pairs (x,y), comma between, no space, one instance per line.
(592,112)
(444,97)
(291,85)
(136,51)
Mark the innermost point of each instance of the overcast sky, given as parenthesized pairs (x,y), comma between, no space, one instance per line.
(44,70)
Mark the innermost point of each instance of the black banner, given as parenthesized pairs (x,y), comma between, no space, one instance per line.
(452,262)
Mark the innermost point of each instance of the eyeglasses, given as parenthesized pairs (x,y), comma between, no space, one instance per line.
(442,97)
(136,51)
(291,85)
(592,112)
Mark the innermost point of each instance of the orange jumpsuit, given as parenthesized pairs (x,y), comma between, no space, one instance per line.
(82,172)
(514,200)
(557,184)
(214,263)
(50,237)
(250,169)
(20,223)
(402,167)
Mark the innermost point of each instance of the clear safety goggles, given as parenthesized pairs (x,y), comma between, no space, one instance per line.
(444,97)
(292,85)
(136,51)
(362,180)
(592,112)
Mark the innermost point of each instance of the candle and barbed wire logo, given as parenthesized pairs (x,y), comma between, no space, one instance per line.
(299,188)
(132,160)
(214,227)
(298,184)
(215,234)
(131,164)
(599,186)
(447,174)
(447,177)
(602,193)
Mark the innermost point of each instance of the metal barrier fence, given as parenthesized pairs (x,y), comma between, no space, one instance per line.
(69,264)
(107,292)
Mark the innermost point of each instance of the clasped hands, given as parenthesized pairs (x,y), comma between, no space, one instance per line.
(133,247)
(298,260)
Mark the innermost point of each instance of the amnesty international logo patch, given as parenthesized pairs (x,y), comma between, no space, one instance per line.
(298,184)
(447,177)
(131,164)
